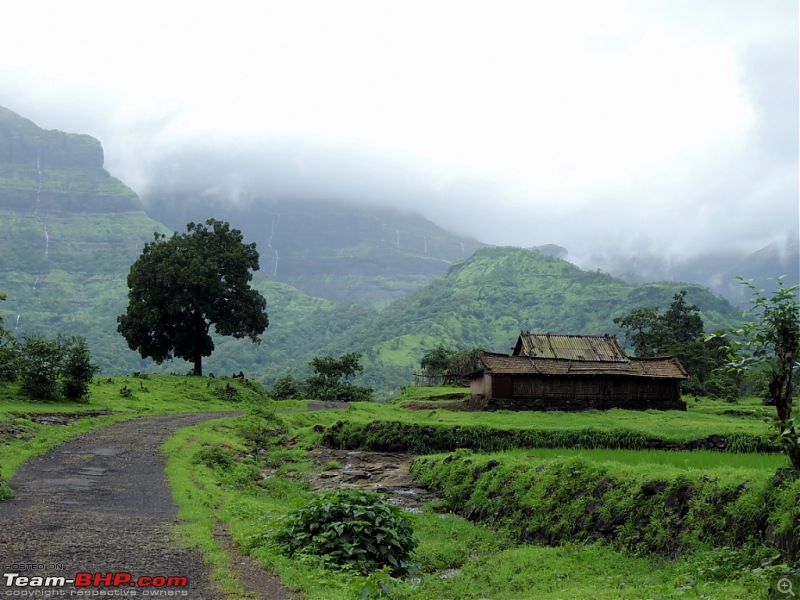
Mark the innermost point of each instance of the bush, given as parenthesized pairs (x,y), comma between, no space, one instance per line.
(352,528)
(286,388)
(9,356)
(40,366)
(58,366)
(329,383)
(78,369)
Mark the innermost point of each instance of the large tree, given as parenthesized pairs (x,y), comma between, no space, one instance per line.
(652,334)
(180,286)
(679,332)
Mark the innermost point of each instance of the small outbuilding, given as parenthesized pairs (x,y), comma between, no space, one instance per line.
(575,372)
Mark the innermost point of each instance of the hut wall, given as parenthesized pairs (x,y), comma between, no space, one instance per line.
(481,387)
(537,392)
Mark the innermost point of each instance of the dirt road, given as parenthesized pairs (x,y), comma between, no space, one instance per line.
(101,504)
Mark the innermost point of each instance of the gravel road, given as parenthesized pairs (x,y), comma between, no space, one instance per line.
(101,504)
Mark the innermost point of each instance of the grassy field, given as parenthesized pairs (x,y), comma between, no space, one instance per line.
(459,559)
(248,473)
(22,437)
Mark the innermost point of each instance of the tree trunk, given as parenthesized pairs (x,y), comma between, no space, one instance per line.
(780,388)
(794,457)
(198,364)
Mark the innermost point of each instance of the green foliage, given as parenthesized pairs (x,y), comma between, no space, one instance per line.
(571,499)
(77,370)
(53,367)
(436,361)
(352,528)
(41,364)
(679,332)
(9,352)
(327,385)
(286,388)
(214,457)
(451,365)
(417,438)
(181,286)
(767,348)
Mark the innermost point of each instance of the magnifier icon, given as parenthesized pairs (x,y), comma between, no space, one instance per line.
(785,586)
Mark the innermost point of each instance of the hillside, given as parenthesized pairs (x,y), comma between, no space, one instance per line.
(66,256)
(488,299)
(335,250)
(70,232)
(43,170)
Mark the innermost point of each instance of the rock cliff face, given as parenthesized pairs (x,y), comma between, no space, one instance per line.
(68,235)
(56,171)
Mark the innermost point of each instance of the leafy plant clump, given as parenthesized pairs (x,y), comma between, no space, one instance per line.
(353,529)
(53,368)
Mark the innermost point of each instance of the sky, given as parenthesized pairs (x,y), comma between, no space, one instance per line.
(610,127)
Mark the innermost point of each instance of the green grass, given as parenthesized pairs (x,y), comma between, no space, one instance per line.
(701,419)
(459,559)
(153,395)
(591,571)
(202,504)
(668,463)
(248,473)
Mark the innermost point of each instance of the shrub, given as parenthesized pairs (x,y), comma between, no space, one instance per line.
(49,367)
(329,383)
(9,356)
(286,388)
(41,363)
(351,528)
(78,369)
(213,457)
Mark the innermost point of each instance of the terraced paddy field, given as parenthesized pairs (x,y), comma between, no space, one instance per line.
(516,505)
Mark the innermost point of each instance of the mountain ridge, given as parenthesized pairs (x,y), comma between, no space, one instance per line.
(65,264)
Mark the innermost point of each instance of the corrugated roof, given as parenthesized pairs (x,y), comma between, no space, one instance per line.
(503,364)
(597,348)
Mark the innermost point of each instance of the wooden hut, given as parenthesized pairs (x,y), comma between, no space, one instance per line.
(575,372)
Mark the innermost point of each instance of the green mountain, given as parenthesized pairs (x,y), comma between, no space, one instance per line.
(334,250)
(488,299)
(55,171)
(70,232)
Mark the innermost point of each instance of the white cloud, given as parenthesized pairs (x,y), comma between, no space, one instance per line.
(564,117)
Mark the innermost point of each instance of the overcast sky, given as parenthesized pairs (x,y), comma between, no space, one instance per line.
(667,127)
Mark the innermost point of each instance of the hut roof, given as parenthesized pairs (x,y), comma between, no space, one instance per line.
(594,348)
(667,367)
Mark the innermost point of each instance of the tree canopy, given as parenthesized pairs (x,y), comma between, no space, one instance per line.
(181,286)
(768,348)
(679,332)
(651,333)
(329,382)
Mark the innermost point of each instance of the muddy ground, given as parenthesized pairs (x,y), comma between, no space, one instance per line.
(383,472)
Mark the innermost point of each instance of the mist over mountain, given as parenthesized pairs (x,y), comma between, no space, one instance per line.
(52,170)
(717,270)
(335,250)
(70,232)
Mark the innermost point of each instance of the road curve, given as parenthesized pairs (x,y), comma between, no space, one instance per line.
(101,503)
